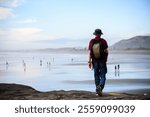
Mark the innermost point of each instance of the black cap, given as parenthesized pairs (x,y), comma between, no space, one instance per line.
(98,32)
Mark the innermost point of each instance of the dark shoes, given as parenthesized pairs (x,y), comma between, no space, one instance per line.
(98,91)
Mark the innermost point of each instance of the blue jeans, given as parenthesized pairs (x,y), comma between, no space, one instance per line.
(100,70)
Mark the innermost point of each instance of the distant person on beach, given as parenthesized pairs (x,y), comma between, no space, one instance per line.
(118,70)
(97,58)
(118,66)
(72,60)
(6,63)
(24,66)
(115,70)
(115,67)
(40,62)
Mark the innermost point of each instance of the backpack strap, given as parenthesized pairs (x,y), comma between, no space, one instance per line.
(92,44)
(92,55)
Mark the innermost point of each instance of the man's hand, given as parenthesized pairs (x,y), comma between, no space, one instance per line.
(90,65)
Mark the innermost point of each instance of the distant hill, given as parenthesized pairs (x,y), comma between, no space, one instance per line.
(135,43)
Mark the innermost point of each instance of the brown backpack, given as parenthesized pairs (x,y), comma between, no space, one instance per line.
(96,49)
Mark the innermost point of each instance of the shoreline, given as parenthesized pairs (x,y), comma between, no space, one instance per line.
(23,92)
(78,51)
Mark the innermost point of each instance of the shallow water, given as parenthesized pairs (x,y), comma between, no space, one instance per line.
(55,69)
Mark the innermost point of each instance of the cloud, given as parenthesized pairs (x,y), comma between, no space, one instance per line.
(5,13)
(10,3)
(26,38)
(16,38)
(21,34)
(27,21)
(7,6)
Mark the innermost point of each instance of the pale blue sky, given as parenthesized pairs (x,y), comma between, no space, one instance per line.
(46,23)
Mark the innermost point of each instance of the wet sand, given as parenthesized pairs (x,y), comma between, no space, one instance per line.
(113,81)
(22,92)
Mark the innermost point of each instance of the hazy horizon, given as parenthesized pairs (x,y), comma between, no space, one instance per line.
(26,24)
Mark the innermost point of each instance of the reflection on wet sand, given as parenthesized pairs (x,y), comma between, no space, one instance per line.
(42,68)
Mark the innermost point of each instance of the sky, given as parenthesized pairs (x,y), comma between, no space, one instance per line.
(36,24)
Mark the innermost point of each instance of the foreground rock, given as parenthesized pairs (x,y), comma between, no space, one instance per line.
(22,92)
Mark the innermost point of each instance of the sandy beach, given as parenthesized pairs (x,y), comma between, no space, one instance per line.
(22,92)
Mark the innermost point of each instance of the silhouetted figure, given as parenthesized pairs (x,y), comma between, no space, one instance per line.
(118,66)
(49,66)
(115,70)
(53,59)
(118,70)
(115,67)
(6,62)
(72,60)
(40,62)
(24,66)
(6,65)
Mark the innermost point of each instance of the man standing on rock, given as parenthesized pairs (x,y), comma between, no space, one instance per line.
(97,59)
